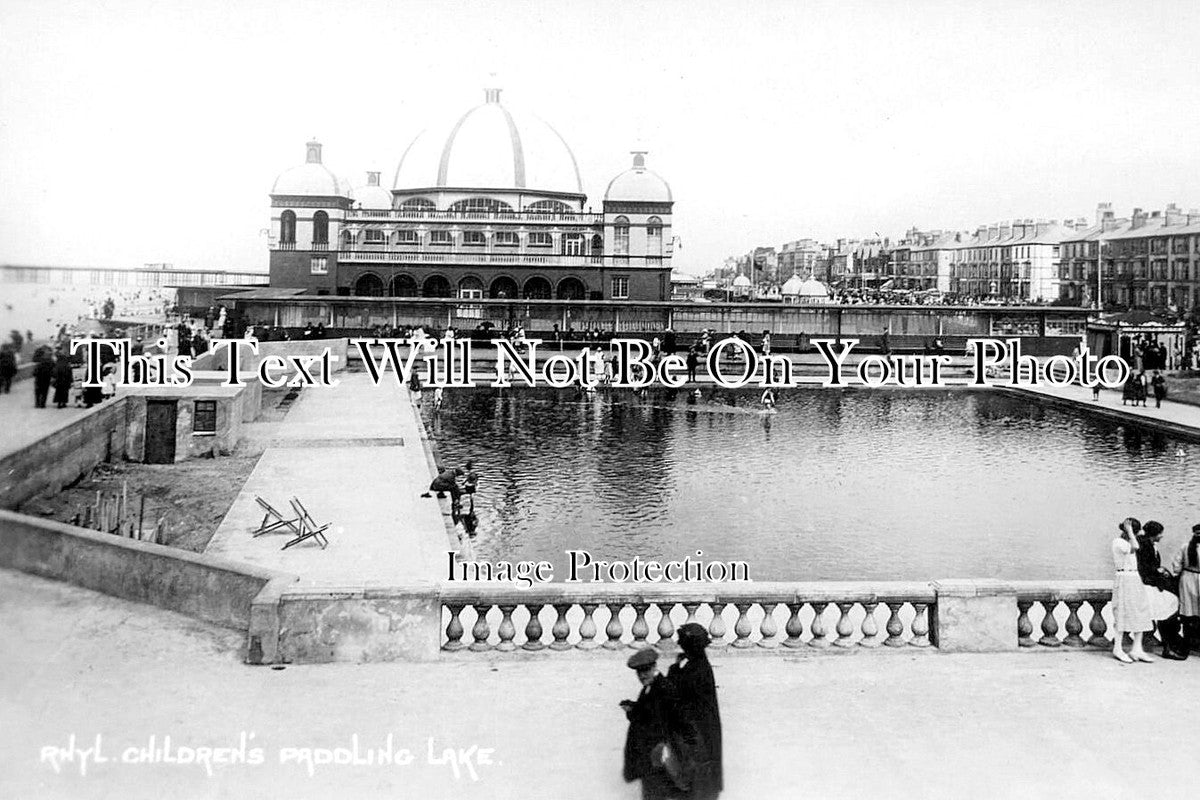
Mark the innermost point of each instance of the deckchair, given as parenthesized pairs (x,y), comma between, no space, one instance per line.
(308,528)
(269,513)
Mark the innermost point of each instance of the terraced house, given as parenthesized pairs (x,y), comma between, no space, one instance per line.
(1147,260)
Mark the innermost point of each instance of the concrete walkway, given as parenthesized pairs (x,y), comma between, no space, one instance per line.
(1173,417)
(22,425)
(353,455)
(833,725)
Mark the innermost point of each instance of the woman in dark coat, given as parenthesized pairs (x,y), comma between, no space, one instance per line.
(696,691)
(64,376)
(43,376)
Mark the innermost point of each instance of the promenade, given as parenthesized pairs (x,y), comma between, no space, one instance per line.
(21,424)
(353,455)
(1180,419)
(887,724)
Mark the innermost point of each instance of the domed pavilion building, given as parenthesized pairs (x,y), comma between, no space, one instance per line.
(490,205)
(805,290)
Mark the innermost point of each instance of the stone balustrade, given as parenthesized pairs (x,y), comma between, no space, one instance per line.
(480,618)
(1064,613)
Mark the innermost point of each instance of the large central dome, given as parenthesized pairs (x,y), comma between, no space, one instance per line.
(490,147)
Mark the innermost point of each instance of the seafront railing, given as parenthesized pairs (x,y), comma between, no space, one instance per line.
(1058,614)
(762,615)
(288,621)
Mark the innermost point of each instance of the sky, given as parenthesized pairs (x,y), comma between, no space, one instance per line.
(151,132)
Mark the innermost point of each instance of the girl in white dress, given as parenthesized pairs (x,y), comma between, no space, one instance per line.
(1130,602)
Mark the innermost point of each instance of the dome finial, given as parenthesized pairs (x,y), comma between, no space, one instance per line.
(314,152)
(491,93)
(639,158)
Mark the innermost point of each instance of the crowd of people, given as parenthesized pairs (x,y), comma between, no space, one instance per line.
(1150,596)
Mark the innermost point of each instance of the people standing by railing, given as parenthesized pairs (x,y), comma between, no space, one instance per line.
(1161,590)
(1186,565)
(1131,606)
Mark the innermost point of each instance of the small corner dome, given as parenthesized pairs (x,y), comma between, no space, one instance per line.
(793,285)
(741,282)
(371,195)
(638,184)
(812,287)
(311,178)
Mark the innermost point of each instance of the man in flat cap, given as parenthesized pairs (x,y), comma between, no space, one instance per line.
(652,746)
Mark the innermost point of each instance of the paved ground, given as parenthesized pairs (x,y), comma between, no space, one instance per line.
(353,455)
(21,424)
(1182,414)
(833,725)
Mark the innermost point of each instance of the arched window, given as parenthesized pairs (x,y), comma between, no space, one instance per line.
(287,227)
(549,207)
(654,237)
(503,287)
(621,236)
(571,289)
(537,288)
(418,204)
(403,286)
(597,244)
(320,228)
(481,205)
(369,285)
(436,286)
(470,288)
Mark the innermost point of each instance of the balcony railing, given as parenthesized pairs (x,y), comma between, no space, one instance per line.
(514,259)
(513,217)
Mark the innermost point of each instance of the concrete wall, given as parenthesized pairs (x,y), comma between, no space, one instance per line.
(216,591)
(65,455)
(358,625)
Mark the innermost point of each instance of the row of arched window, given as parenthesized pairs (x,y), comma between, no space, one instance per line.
(287,227)
(487,205)
(470,288)
(287,221)
(572,244)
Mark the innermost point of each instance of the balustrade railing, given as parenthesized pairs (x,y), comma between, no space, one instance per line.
(1064,614)
(763,616)
(572,218)
(530,259)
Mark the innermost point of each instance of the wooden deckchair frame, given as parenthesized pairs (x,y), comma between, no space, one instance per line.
(308,528)
(266,526)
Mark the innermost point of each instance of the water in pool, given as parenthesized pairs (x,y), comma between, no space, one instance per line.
(837,485)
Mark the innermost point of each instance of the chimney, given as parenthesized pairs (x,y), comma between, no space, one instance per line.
(1081,223)
(1139,219)
(993,231)
(1110,223)
(1175,216)
(1005,230)
(1103,211)
(372,179)
(314,152)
